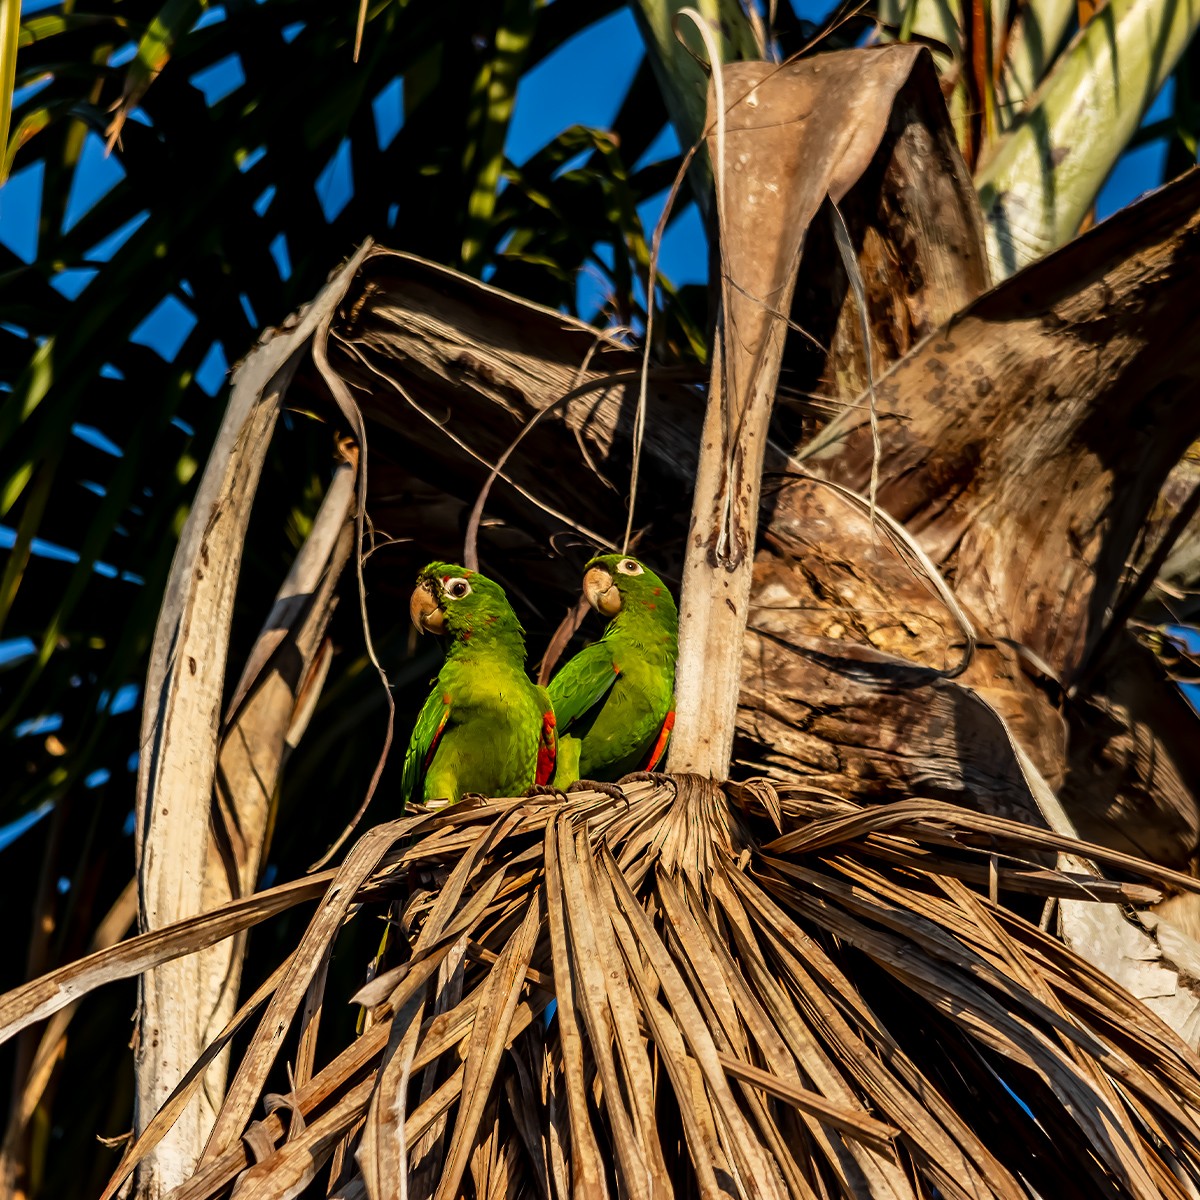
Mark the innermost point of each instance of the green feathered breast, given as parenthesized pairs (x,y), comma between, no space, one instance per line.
(615,700)
(485,728)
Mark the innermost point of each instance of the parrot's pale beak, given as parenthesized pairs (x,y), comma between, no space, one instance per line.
(423,609)
(601,592)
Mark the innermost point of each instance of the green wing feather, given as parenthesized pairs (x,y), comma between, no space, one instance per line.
(431,722)
(582,684)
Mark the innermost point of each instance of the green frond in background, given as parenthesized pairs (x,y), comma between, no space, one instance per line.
(1045,98)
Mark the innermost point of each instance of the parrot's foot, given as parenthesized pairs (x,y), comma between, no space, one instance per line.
(473,800)
(643,777)
(595,785)
(547,789)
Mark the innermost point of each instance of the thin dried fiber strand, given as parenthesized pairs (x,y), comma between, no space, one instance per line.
(909,549)
(639,419)
(471,539)
(841,235)
(617,377)
(795,327)
(360,25)
(831,29)
(353,413)
(50,1046)
(714,64)
(1025,876)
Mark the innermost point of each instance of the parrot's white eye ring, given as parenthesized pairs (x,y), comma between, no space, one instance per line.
(627,566)
(456,588)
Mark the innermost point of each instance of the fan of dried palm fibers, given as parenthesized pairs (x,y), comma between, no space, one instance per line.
(823,1013)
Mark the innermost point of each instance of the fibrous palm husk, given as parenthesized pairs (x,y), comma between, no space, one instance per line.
(813,1012)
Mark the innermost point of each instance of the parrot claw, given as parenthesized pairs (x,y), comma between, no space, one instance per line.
(642,777)
(473,800)
(594,785)
(547,789)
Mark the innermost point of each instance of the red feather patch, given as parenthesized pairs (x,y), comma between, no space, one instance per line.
(660,745)
(437,737)
(547,750)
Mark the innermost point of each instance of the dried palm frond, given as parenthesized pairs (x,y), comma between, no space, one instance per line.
(853,1007)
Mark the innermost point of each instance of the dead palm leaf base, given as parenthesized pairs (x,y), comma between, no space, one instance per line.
(669,996)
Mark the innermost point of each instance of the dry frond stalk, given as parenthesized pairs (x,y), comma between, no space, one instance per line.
(802,1016)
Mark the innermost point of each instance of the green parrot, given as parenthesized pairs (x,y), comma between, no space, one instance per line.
(615,700)
(485,729)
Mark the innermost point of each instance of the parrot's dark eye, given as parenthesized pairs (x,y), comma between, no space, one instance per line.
(628,567)
(456,588)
